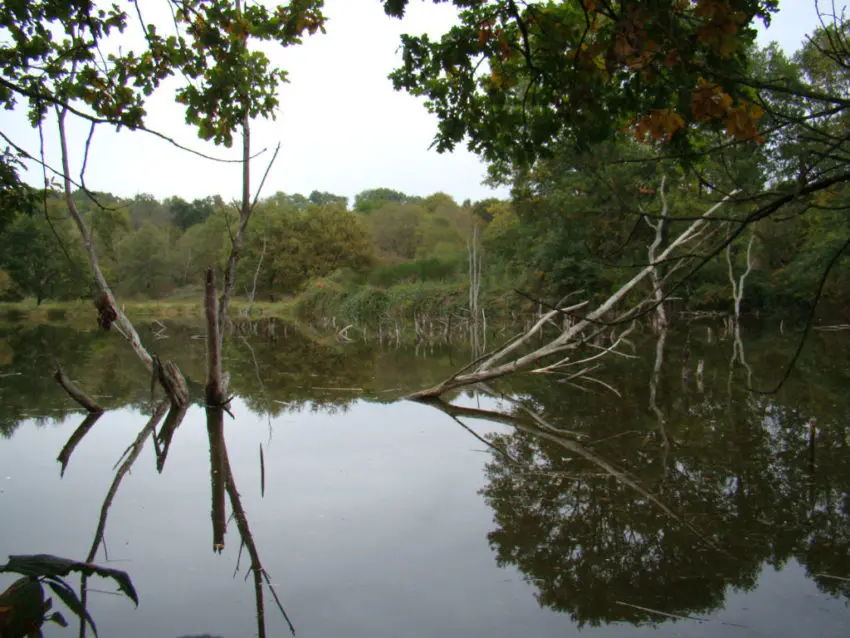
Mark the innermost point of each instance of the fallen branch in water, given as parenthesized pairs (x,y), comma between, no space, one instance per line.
(506,360)
(75,393)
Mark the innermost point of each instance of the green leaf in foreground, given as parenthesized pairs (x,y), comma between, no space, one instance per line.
(69,597)
(49,566)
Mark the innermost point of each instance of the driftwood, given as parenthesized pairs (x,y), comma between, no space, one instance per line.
(172,381)
(506,360)
(75,393)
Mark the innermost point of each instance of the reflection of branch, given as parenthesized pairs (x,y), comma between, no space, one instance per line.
(163,439)
(260,574)
(653,391)
(215,432)
(76,437)
(545,430)
(135,450)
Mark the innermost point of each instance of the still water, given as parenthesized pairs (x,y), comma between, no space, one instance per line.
(686,506)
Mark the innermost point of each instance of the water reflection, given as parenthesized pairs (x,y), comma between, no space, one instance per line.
(621,514)
(647,508)
(221,481)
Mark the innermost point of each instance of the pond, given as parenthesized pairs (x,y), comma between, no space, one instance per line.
(672,503)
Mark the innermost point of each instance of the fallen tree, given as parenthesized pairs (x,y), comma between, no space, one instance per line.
(583,329)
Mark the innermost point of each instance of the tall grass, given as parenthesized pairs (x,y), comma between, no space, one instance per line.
(371,305)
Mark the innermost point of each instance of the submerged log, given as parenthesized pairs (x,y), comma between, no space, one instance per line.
(75,393)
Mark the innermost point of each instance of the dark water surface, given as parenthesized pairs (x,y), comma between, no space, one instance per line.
(685,507)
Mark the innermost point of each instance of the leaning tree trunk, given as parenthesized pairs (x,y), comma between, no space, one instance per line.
(507,360)
(109,312)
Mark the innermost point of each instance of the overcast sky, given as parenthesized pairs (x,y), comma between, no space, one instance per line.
(342,127)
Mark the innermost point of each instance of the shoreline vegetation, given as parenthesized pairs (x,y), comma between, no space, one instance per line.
(394,259)
(324,304)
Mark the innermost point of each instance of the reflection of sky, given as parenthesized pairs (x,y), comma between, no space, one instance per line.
(371,526)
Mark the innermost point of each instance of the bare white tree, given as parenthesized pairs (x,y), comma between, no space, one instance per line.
(510,358)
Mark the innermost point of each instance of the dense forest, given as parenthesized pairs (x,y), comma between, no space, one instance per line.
(580,218)
(609,152)
(574,223)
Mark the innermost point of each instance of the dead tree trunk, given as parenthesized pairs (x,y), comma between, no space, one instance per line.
(660,228)
(475,313)
(738,283)
(738,352)
(109,312)
(214,391)
(75,393)
(506,360)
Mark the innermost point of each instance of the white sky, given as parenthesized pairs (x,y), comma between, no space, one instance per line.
(342,127)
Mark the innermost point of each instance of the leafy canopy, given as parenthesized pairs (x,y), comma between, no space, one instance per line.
(515,78)
(58,52)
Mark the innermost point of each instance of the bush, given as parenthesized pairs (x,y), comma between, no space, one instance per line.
(414,271)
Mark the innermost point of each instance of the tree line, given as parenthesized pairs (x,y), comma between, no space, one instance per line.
(154,249)
(585,109)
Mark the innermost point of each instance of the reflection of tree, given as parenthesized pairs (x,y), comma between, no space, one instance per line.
(298,370)
(587,508)
(128,460)
(221,480)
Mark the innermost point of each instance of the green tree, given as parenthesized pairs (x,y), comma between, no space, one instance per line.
(146,261)
(368,200)
(302,244)
(34,260)
(322,198)
(185,214)
(394,228)
(581,70)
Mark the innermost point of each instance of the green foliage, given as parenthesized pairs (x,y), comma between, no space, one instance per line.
(146,261)
(369,200)
(322,198)
(414,271)
(437,228)
(23,607)
(298,244)
(185,214)
(578,70)
(224,81)
(394,228)
(15,196)
(38,263)
(8,289)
